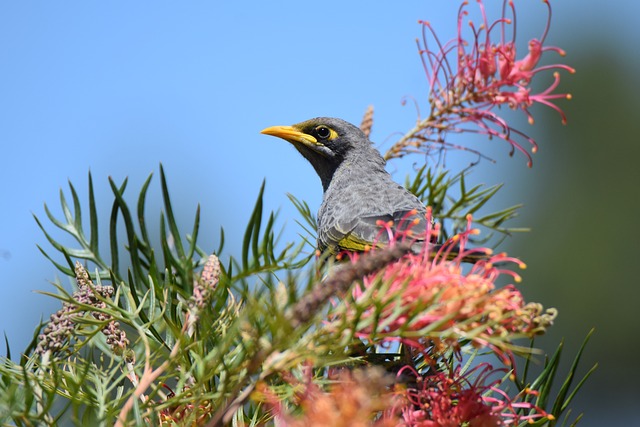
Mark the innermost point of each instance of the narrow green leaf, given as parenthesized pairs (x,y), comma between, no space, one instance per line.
(141,311)
(113,233)
(153,271)
(486,196)
(141,203)
(249,232)
(578,419)
(171,220)
(266,248)
(51,240)
(65,208)
(66,271)
(170,261)
(194,236)
(527,364)
(560,403)
(54,220)
(303,208)
(544,382)
(7,346)
(257,219)
(131,234)
(77,210)
(93,218)
(221,245)
(578,387)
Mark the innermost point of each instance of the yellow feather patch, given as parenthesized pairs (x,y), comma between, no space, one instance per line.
(352,243)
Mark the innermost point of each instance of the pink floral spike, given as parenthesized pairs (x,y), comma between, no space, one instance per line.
(448,399)
(469,77)
(425,299)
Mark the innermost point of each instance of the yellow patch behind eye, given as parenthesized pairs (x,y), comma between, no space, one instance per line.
(332,134)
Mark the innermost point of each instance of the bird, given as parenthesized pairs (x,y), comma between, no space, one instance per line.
(361,201)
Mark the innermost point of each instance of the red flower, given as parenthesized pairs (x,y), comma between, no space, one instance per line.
(454,398)
(422,300)
(468,79)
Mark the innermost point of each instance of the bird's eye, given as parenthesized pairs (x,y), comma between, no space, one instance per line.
(323,132)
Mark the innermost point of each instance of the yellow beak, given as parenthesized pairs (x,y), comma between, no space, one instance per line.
(291,134)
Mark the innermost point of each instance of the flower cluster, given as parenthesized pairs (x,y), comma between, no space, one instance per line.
(469,77)
(426,299)
(456,398)
(203,288)
(370,397)
(352,398)
(63,323)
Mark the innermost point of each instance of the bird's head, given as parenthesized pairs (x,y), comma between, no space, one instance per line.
(326,143)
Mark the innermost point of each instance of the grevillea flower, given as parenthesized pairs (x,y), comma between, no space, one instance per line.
(424,300)
(351,399)
(470,76)
(472,398)
(59,333)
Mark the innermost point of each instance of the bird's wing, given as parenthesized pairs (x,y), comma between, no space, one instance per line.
(367,230)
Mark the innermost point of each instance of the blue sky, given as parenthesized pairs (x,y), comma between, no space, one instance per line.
(118,87)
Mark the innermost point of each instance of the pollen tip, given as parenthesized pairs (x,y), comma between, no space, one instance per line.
(531,121)
(517,278)
(534,150)
(569,96)
(523,266)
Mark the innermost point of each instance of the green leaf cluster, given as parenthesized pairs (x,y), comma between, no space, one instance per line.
(187,363)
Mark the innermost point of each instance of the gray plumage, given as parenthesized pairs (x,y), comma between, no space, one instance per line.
(358,191)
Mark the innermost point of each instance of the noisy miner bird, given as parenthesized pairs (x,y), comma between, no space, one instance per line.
(358,191)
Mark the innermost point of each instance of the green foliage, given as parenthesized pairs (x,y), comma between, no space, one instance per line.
(452,200)
(543,384)
(151,303)
(164,334)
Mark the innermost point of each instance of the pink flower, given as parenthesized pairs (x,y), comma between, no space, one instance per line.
(425,300)
(454,398)
(352,399)
(468,79)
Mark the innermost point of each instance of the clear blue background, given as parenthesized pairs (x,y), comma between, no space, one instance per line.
(118,87)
